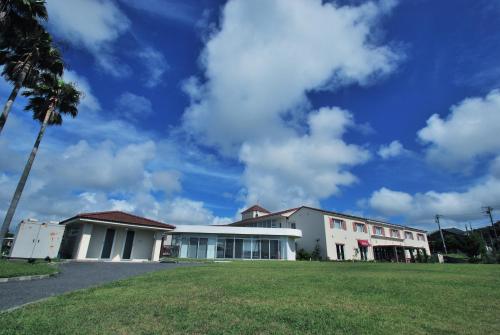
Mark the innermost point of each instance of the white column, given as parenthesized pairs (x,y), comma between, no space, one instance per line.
(84,241)
(155,257)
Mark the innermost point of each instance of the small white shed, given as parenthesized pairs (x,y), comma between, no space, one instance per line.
(37,240)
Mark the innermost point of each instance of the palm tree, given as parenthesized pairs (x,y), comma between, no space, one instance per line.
(48,100)
(20,15)
(23,63)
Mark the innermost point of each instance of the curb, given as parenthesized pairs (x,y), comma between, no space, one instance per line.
(23,278)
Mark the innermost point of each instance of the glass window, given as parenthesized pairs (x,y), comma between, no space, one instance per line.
(220,247)
(378,231)
(274,224)
(247,249)
(274,249)
(408,235)
(420,237)
(256,249)
(193,247)
(360,228)
(395,233)
(293,225)
(202,248)
(264,252)
(337,224)
(238,248)
(229,251)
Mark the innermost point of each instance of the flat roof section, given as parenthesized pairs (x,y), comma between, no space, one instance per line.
(232,230)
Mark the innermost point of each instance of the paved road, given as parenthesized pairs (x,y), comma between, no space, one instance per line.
(72,276)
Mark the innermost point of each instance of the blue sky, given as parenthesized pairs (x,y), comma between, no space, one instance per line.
(194,110)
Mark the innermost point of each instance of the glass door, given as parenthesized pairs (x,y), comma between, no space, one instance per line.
(127,249)
(108,243)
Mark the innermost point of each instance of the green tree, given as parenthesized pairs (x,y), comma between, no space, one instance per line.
(20,16)
(24,62)
(49,99)
(316,254)
(474,246)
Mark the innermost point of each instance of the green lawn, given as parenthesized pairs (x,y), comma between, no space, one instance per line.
(16,268)
(278,298)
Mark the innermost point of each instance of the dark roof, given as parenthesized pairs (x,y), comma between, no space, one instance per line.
(255,208)
(120,217)
(263,216)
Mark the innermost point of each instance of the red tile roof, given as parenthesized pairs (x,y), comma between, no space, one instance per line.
(120,217)
(255,208)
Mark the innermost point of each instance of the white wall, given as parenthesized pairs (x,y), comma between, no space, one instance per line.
(311,223)
(96,241)
(143,244)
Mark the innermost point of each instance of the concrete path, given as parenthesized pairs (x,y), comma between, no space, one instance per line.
(73,276)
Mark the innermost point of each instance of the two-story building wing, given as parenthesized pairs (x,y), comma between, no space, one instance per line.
(341,236)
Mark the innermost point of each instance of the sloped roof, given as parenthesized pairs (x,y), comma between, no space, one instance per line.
(255,208)
(264,216)
(121,217)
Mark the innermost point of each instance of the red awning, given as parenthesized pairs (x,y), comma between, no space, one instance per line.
(363,243)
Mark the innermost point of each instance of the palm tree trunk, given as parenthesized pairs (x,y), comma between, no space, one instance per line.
(13,94)
(24,177)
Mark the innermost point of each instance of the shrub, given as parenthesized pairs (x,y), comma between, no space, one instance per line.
(316,254)
(303,255)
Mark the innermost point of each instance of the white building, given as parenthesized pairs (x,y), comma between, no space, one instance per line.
(112,236)
(260,234)
(226,242)
(340,236)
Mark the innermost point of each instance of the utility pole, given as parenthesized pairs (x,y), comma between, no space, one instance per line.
(441,232)
(488,211)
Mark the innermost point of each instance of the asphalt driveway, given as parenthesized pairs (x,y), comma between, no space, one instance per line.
(73,276)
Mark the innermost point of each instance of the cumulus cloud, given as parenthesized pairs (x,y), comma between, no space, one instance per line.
(302,169)
(166,181)
(155,64)
(132,106)
(455,206)
(466,134)
(93,25)
(391,202)
(393,149)
(93,163)
(268,54)
(456,142)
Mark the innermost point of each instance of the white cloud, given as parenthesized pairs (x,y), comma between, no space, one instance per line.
(302,169)
(393,149)
(88,99)
(93,25)
(92,163)
(269,54)
(391,202)
(178,10)
(458,206)
(466,134)
(132,106)
(166,181)
(185,211)
(155,64)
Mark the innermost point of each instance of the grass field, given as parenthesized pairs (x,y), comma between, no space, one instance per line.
(16,268)
(278,298)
